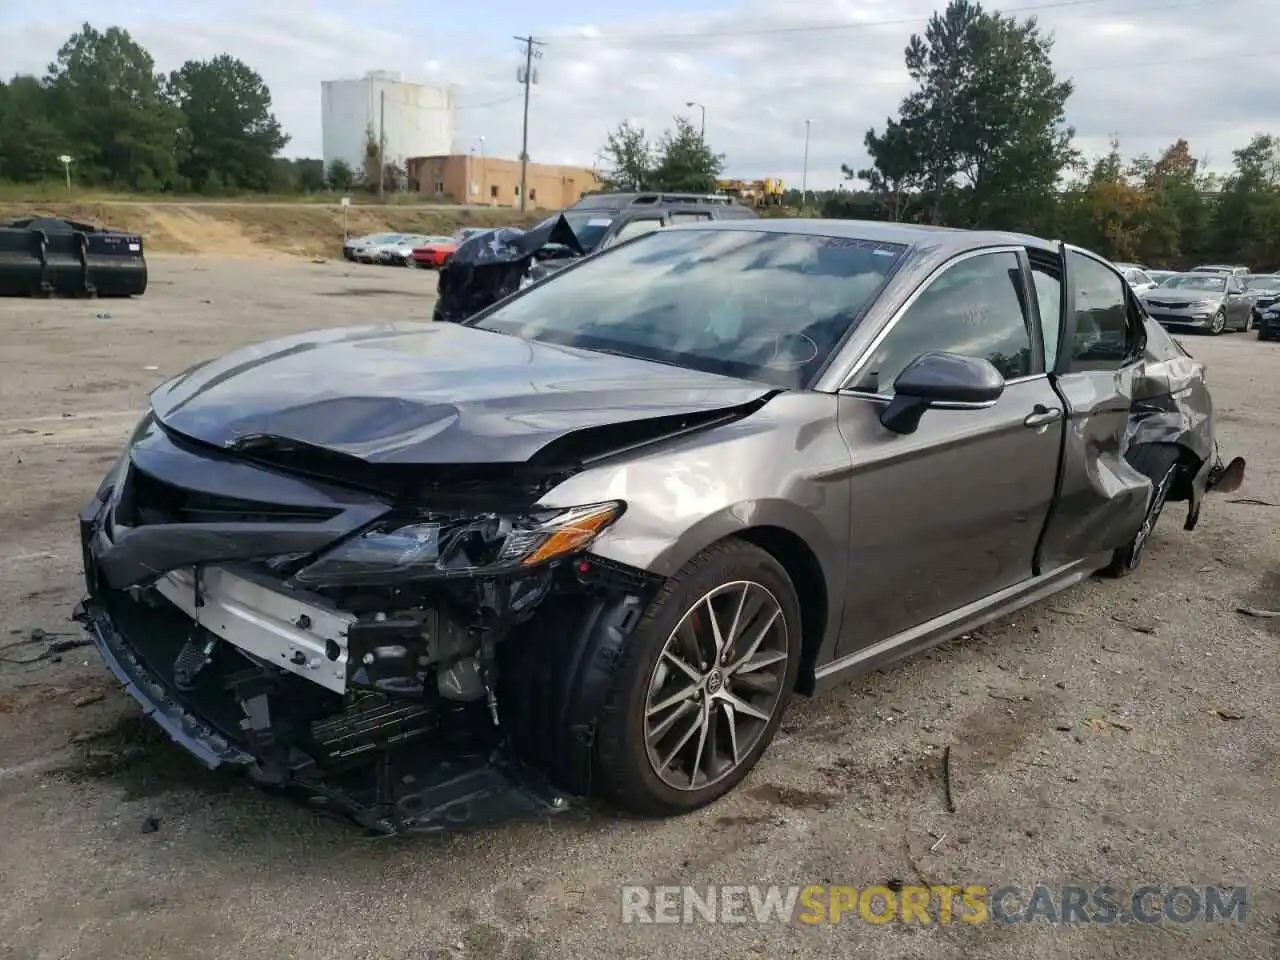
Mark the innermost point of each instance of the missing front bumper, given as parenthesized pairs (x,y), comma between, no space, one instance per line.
(416,789)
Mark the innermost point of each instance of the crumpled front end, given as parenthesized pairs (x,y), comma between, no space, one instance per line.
(413,669)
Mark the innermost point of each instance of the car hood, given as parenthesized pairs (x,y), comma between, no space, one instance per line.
(435,393)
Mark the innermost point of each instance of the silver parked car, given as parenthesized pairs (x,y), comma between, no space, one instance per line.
(1207,301)
(399,252)
(358,248)
(1136,275)
(1236,268)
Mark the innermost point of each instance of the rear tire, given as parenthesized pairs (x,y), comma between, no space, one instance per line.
(714,740)
(1159,462)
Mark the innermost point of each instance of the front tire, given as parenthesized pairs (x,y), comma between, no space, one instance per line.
(701,687)
(1218,323)
(1159,461)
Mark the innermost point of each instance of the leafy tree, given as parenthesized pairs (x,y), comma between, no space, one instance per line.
(681,160)
(109,100)
(229,137)
(1246,214)
(339,177)
(1179,220)
(984,134)
(1106,212)
(684,161)
(31,139)
(629,158)
(300,175)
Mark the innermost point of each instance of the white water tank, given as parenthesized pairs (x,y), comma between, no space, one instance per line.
(414,120)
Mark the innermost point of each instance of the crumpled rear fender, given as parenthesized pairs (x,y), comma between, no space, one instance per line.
(1103,498)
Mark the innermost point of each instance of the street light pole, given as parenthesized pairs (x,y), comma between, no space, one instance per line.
(804,177)
(702,130)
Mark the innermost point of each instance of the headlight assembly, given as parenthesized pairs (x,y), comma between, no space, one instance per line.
(431,548)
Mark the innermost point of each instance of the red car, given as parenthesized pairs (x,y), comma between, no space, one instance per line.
(434,253)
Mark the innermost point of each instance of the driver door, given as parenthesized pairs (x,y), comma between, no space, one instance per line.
(950,514)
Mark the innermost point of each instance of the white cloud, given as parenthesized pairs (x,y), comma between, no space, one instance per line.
(1148,70)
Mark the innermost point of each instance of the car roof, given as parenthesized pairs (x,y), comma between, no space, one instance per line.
(651,198)
(945,240)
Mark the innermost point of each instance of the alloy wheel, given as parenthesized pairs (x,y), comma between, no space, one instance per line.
(716,685)
(1218,323)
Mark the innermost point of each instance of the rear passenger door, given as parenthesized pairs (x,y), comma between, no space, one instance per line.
(1101,499)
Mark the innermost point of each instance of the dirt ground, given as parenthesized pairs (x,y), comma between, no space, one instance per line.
(1124,733)
(265,230)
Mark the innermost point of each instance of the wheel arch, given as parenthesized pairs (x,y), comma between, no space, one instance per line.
(814,557)
(805,571)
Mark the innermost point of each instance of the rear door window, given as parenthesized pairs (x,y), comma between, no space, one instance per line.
(1102,339)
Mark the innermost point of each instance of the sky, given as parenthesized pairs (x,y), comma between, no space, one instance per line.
(1149,71)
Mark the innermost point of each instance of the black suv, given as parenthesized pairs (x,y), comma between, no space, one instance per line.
(602,219)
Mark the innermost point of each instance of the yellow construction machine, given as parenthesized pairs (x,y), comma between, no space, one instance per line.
(756,193)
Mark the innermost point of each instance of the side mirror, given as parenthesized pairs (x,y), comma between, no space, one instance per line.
(939,379)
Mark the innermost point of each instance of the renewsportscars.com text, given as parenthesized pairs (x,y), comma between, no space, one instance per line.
(971,904)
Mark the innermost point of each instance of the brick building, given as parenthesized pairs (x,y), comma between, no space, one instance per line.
(468,178)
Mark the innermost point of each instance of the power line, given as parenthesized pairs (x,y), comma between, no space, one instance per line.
(829,26)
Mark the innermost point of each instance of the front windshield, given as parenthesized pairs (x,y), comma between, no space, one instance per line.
(1263,281)
(1206,282)
(743,303)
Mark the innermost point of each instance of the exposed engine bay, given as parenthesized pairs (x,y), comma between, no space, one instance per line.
(408,668)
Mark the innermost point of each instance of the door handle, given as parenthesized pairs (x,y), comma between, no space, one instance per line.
(1042,416)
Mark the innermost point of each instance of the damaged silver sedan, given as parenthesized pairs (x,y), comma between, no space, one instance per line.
(590,541)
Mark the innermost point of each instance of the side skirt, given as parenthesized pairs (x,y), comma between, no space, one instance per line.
(958,622)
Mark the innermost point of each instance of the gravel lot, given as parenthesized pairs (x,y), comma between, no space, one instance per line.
(1124,732)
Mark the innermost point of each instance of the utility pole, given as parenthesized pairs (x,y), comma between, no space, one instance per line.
(526,77)
(382,142)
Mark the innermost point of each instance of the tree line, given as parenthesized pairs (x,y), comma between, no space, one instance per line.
(982,141)
(206,127)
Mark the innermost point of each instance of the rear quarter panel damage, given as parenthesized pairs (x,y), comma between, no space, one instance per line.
(1102,498)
